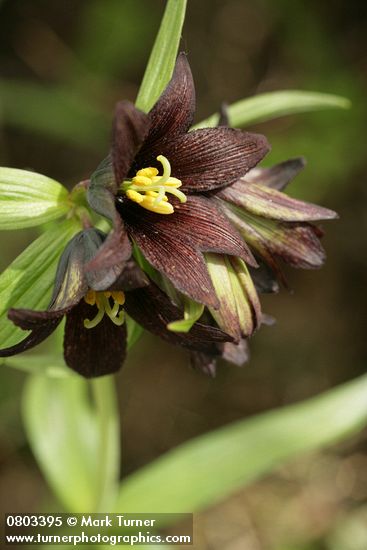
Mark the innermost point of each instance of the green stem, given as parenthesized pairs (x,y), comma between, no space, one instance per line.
(105,399)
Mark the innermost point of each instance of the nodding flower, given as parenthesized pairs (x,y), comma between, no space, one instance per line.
(95,329)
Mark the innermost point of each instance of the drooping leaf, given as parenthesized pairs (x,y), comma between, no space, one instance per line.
(76,448)
(163,56)
(28,199)
(207,469)
(272,105)
(28,281)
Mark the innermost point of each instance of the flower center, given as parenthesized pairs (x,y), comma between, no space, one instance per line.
(148,189)
(102,301)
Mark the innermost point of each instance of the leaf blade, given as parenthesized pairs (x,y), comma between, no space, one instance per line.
(28,280)
(163,55)
(75,443)
(268,106)
(205,470)
(28,199)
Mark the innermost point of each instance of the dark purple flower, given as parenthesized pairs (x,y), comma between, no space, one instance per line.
(214,227)
(167,215)
(95,331)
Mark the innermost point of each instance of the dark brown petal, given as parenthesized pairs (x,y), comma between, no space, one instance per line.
(277,176)
(130,129)
(101,279)
(28,319)
(209,158)
(40,332)
(93,352)
(70,283)
(173,243)
(153,310)
(270,203)
(258,242)
(295,243)
(131,278)
(116,249)
(174,111)
(203,362)
(113,255)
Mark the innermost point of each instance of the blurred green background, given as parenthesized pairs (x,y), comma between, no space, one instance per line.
(63,65)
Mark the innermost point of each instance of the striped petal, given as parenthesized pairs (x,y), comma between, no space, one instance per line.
(174,244)
(277,176)
(270,203)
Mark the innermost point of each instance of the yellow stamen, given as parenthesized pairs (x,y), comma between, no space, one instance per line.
(148,189)
(102,301)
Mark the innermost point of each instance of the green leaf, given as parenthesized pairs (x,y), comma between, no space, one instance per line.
(192,312)
(163,56)
(46,363)
(28,199)
(76,448)
(207,469)
(54,111)
(28,281)
(276,104)
(75,443)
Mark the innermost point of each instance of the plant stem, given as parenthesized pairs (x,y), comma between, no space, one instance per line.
(104,394)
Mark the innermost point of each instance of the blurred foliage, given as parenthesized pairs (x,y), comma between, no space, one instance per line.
(63,66)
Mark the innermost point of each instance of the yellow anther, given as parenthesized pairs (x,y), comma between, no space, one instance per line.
(147,172)
(143,180)
(134,196)
(90,297)
(148,189)
(118,297)
(163,207)
(102,301)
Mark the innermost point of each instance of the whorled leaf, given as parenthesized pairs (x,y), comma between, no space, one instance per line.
(29,279)
(28,199)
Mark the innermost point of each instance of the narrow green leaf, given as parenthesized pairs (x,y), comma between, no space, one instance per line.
(163,56)
(63,434)
(108,454)
(28,281)
(28,199)
(205,470)
(276,104)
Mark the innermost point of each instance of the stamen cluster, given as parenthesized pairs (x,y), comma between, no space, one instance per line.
(148,189)
(102,301)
